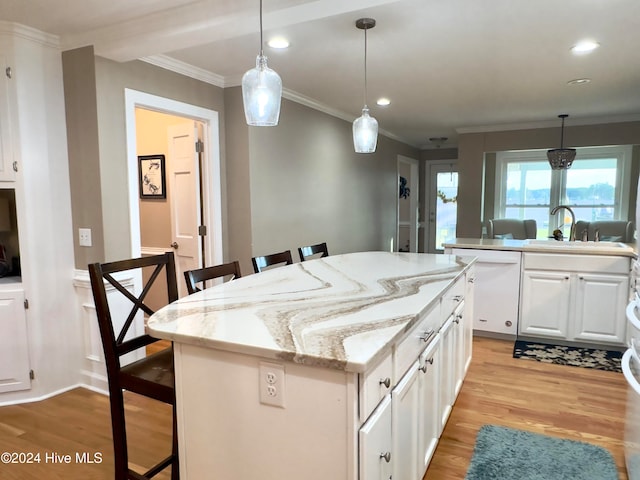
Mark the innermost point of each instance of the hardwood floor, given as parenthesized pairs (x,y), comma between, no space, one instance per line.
(568,402)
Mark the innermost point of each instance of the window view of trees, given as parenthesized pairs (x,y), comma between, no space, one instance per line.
(531,189)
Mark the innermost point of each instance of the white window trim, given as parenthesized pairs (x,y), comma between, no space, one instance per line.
(623,178)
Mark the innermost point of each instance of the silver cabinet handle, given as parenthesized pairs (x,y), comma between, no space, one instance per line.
(386,456)
(423,368)
(457,319)
(426,336)
(385,381)
(458,298)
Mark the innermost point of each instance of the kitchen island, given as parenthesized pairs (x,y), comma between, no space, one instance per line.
(344,367)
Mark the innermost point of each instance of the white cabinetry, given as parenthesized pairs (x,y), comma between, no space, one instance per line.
(405,400)
(33,135)
(14,354)
(8,166)
(579,298)
(375,444)
(429,409)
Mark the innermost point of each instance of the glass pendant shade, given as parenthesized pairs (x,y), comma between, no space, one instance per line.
(561,158)
(365,133)
(261,94)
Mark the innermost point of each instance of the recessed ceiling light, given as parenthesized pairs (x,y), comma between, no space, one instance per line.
(278,42)
(383,102)
(586,46)
(579,81)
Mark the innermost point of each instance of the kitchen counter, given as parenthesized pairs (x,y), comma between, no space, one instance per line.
(341,312)
(546,246)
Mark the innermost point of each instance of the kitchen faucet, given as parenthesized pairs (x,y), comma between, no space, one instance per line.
(572,231)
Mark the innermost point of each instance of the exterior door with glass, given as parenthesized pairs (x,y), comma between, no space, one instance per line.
(443,208)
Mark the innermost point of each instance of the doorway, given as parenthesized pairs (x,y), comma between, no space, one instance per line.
(442,178)
(407,214)
(208,201)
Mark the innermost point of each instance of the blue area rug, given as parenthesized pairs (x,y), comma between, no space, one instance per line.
(503,453)
(575,356)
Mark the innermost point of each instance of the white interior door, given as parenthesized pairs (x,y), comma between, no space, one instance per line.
(184,181)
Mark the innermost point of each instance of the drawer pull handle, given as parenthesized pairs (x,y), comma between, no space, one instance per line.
(458,298)
(386,456)
(385,381)
(427,335)
(457,318)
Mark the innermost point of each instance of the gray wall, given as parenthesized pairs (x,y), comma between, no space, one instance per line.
(283,187)
(472,147)
(94,99)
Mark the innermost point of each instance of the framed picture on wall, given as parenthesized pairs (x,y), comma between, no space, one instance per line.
(152,178)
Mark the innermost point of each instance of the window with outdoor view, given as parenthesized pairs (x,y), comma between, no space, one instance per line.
(596,187)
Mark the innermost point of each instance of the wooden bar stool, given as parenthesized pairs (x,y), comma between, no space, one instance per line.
(260,263)
(193,277)
(311,250)
(152,375)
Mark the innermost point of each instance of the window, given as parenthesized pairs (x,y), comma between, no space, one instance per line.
(596,187)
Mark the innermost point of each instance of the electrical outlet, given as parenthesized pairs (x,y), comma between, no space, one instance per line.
(84,237)
(271,384)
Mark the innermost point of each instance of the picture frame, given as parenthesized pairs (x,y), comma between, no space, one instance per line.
(151,176)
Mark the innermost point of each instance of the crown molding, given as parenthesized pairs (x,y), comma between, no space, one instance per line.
(575,121)
(31,34)
(168,63)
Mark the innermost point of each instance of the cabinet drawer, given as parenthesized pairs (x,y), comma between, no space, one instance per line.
(374,385)
(581,263)
(409,349)
(452,298)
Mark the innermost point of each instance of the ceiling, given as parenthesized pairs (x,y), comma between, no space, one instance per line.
(448,66)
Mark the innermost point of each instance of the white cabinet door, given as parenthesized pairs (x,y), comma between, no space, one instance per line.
(375,444)
(600,303)
(7,172)
(458,342)
(14,354)
(545,307)
(447,369)
(404,422)
(429,411)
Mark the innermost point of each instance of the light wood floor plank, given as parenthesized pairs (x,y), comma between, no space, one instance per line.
(562,401)
(567,402)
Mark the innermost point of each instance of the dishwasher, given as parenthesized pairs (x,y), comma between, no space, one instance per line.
(497,290)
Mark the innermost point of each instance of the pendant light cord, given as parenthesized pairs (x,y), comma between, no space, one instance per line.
(261,50)
(561,133)
(365,66)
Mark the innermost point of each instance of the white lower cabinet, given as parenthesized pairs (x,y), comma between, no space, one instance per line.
(575,297)
(428,407)
(447,368)
(14,354)
(405,409)
(545,303)
(376,462)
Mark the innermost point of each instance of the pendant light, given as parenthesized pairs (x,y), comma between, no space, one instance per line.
(561,158)
(261,91)
(365,128)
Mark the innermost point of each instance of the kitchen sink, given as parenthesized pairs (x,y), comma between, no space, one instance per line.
(577,244)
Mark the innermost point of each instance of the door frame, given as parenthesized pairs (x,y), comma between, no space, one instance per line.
(414,202)
(211,179)
(430,199)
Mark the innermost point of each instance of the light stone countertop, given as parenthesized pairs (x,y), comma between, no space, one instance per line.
(546,246)
(342,311)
